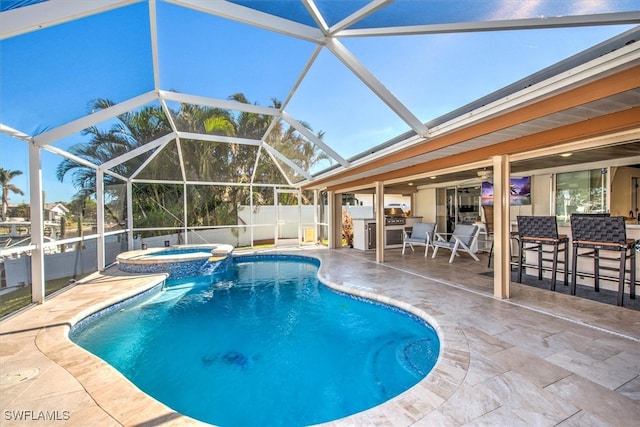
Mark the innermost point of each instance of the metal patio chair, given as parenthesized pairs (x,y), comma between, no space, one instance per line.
(421,235)
(462,239)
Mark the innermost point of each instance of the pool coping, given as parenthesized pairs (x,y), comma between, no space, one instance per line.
(111,390)
(126,404)
(440,383)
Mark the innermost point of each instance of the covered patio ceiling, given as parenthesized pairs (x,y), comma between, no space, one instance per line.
(357,81)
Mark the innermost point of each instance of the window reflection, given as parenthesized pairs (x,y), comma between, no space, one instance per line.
(581,192)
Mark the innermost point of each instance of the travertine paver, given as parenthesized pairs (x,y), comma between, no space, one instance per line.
(540,358)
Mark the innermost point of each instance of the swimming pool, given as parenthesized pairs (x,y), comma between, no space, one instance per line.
(263,343)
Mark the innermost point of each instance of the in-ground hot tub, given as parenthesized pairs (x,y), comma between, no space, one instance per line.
(177,261)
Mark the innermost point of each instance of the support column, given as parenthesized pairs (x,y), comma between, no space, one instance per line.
(100,249)
(37,224)
(277,216)
(130,215)
(185,215)
(316,217)
(299,195)
(501,227)
(251,215)
(335,226)
(379,221)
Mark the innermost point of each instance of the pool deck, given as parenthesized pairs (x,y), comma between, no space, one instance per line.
(539,358)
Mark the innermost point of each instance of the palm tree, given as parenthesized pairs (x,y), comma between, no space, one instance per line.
(5,177)
(133,130)
(204,161)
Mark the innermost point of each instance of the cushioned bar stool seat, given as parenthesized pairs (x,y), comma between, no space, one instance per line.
(540,234)
(604,239)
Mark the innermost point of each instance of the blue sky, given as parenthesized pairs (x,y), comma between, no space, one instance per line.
(50,77)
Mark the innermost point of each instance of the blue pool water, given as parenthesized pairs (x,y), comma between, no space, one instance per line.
(263,343)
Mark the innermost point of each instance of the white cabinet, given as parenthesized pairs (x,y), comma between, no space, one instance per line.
(364,234)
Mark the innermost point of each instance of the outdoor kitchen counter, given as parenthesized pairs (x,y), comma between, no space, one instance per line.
(364,232)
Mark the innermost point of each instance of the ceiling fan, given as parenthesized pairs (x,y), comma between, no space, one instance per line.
(485,175)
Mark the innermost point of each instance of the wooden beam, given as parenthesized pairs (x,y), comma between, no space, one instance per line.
(623,120)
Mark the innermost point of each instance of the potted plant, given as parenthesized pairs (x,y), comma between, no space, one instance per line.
(347,228)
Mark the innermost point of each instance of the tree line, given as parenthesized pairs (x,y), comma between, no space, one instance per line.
(161,204)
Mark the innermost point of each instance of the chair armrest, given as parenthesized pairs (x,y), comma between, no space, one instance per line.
(440,236)
(466,240)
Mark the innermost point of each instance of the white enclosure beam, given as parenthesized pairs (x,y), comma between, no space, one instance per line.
(304,72)
(163,140)
(52,12)
(316,15)
(153,28)
(183,170)
(115,175)
(94,118)
(204,183)
(618,18)
(218,103)
(66,154)
(168,115)
(378,88)
(129,215)
(254,17)
(185,214)
(37,224)
(100,220)
(379,215)
(314,139)
(15,133)
(219,138)
(360,14)
(251,210)
(286,160)
(274,159)
(150,158)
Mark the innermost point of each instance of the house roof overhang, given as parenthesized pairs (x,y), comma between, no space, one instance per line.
(595,99)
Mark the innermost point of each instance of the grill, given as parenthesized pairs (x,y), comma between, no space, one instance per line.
(394,216)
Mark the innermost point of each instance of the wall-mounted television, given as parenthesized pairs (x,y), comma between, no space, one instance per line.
(520,189)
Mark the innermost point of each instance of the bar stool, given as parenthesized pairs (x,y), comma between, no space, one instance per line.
(596,234)
(488,224)
(536,232)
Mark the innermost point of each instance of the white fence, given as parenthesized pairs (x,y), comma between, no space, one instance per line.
(72,263)
(267,221)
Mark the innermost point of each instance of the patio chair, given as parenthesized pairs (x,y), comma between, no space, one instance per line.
(421,235)
(462,239)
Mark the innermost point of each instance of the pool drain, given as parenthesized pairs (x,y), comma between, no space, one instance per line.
(16,377)
(233,358)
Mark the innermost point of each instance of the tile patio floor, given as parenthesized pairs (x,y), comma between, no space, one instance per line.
(539,358)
